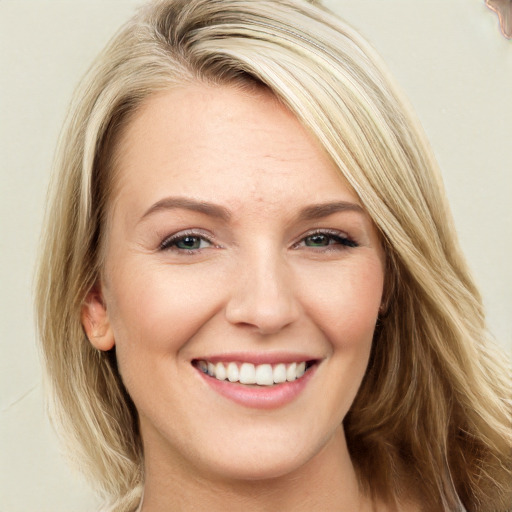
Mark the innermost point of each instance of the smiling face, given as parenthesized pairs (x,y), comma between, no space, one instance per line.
(236,252)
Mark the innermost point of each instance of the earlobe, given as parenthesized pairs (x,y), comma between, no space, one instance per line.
(95,320)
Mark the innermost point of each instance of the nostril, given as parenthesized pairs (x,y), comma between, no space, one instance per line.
(263,299)
(265,322)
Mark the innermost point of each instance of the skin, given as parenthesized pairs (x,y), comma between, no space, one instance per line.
(257,283)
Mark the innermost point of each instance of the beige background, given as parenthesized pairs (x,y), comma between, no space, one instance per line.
(448,55)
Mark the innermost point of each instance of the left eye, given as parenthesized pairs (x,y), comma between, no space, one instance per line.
(326,240)
(185,243)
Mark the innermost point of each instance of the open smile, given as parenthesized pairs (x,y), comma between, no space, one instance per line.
(263,386)
(251,374)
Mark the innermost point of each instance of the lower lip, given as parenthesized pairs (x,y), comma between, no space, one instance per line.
(260,397)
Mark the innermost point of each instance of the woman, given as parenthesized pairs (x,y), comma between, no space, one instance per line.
(251,295)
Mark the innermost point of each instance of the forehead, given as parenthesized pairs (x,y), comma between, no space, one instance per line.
(214,142)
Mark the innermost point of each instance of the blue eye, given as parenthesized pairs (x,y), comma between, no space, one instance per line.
(324,239)
(185,242)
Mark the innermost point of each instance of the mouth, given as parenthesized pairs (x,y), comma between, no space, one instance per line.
(252,375)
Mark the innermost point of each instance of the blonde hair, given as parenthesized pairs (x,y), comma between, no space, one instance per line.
(435,401)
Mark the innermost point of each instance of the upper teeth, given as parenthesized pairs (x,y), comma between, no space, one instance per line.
(248,373)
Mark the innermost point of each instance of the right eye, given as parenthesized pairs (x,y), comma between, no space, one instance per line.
(185,242)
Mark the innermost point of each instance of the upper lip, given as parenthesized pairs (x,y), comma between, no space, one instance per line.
(258,357)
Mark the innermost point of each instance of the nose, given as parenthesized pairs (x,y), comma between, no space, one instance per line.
(263,295)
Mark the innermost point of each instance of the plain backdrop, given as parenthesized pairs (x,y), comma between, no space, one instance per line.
(448,55)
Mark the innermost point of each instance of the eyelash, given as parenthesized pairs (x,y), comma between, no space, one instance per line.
(332,235)
(170,243)
(339,239)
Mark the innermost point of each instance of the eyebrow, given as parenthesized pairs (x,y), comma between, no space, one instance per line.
(316,211)
(171,203)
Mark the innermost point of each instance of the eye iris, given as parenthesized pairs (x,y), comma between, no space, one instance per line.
(318,240)
(189,242)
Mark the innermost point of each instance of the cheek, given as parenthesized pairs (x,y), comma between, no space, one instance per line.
(158,311)
(347,311)
(346,303)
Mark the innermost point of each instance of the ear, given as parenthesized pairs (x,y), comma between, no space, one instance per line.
(95,320)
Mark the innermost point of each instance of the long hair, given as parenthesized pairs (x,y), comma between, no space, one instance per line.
(434,408)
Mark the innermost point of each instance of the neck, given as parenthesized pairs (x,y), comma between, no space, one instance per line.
(326,482)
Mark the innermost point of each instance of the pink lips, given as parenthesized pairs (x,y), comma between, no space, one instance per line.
(254,396)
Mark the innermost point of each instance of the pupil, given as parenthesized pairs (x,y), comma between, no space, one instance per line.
(318,240)
(189,242)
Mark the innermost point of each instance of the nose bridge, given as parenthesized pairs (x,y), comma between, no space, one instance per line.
(263,294)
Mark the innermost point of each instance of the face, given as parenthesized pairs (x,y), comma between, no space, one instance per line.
(241,286)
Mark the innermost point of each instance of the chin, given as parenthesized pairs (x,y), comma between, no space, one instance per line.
(263,456)
(259,468)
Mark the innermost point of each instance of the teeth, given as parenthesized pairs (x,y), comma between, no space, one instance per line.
(291,372)
(248,373)
(264,375)
(279,373)
(232,373)
(220,371)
